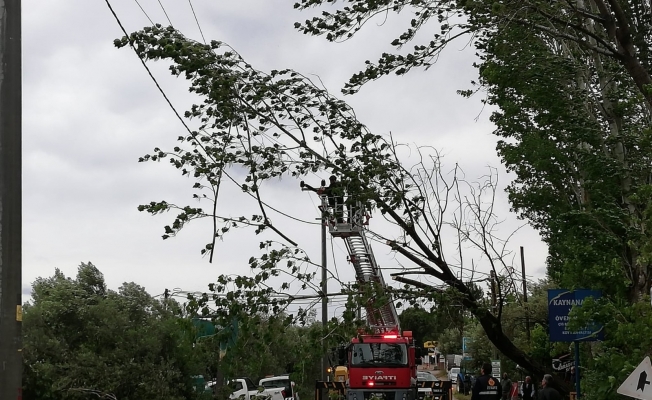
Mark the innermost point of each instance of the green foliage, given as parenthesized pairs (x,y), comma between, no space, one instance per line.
(271,345)
(423,324)
(450,341)
(445,315)
(81,338)
(627,342)
(567,185)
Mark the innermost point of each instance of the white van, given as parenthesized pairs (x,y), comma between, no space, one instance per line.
(452,374)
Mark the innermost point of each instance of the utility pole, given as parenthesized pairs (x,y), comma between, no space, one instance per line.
(10,201)
(324,270)
(324,289)
(494,306)
(527,312)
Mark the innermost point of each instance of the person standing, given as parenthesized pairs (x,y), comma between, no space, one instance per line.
(547,392)
(335,193)
(507,387)
(513,393)
(528,389)
(486,387)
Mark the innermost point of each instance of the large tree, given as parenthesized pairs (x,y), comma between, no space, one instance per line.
(571,83)
(280,124)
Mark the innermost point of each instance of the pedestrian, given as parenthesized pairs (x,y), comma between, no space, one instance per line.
(507,387)
(486,387)
(513,393)
(547,392)
(528,389)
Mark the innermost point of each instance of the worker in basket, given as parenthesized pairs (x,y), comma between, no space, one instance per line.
(335,194)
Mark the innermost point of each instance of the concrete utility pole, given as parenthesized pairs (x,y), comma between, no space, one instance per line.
(527,312)
(10,201)
(324,271)
(324,300)
(494,306)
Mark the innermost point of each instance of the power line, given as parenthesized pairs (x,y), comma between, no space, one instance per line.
(197,20)
(165,12)
(144,12)
(142,61)
(170,103)
(268,206)
(177,113)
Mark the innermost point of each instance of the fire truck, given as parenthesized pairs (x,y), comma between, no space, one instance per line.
(382,363)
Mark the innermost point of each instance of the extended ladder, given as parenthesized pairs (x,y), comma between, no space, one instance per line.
(350,226)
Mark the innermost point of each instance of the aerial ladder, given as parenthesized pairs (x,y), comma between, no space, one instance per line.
(348,219)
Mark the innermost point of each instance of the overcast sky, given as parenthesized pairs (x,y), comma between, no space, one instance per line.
(90,110)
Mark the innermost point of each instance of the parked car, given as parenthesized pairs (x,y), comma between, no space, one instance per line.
(282,382)
(244,389)
(452,374)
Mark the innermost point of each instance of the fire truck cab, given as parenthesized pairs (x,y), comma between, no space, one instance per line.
(382,366)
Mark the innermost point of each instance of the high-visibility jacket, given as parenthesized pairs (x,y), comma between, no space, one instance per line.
(486,387)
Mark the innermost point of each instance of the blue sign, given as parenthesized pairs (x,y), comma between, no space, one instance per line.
(560,302)
(465,344)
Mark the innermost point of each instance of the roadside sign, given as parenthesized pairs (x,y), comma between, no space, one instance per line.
(637,384)
(466,341)
(495,368)
(466,356)
(560,302)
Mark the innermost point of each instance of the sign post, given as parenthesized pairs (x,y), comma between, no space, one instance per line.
(560,303)
(466,356)
(577,368)
(495,368)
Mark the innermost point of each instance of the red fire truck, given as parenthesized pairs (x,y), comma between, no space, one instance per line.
(382,364)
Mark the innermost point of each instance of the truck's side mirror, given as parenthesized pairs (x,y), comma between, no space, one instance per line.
(342,356)
(323,182)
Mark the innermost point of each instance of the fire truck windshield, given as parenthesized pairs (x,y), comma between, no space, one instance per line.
(379,354)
